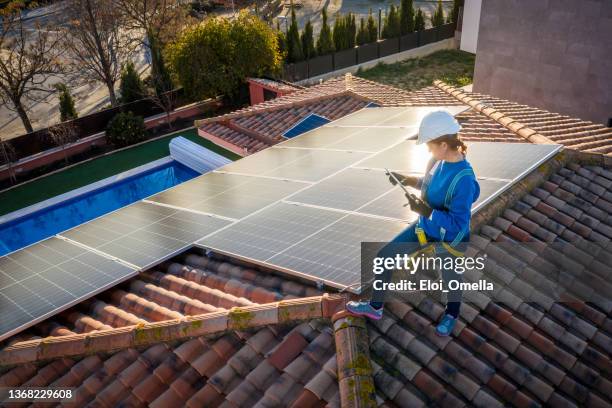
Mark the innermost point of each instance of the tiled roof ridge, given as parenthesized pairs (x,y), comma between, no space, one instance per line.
(236,318)
(319,92)
(503,119)
(273,82)
(255,110)
(355,373)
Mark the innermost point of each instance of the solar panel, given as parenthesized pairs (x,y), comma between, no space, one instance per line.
(405,157)
(265,161)
(485,158)
(392,116)
(48,277)
(240,196)
(363,140)
(295,164)
(144,234)
(517,158)
(310,122)
(351,138)
(488,190)
(333,254)
(320,137)
(391,205)
(413,116)
(347,190)
(263,234)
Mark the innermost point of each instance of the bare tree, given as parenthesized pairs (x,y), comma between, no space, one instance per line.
(157,22)
(62,135)
(165,97)
(97,46)
(29,56)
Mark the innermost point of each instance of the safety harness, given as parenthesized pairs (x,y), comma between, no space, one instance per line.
(420,233)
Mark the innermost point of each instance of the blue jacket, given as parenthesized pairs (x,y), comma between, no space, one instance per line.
(450,189)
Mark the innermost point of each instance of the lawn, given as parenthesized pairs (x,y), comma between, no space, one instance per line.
(97,169)
(454,67)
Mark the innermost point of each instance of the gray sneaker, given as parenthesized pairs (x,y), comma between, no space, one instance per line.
(363,308)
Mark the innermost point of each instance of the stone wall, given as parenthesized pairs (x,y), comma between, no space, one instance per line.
(551,54)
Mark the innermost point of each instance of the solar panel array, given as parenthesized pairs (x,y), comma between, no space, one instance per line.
(316,231)
(302,207)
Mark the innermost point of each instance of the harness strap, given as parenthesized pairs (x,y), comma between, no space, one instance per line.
(452,250)
(449,196)
(453,185)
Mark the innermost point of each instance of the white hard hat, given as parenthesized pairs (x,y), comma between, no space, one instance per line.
(437,124)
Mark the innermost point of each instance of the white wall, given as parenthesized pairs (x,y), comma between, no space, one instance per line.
(469,29)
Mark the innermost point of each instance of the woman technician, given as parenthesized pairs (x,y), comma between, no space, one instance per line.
(448,191)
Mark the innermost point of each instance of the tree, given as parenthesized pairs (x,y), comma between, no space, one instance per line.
(362,33)
(125,129)
(351,30)
(63,134)
(308,46)
(217,55)
(130,86)
(294,46)
(437,19)
(162,92)
(391,27)
(281,39)
(325,44)
(419,21)
(96,46)
(29,57)
(454,14)
(406,17)
(157,21)
(372,29)
(66,103)
(340,33)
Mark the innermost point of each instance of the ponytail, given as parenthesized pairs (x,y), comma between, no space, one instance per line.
(454,142)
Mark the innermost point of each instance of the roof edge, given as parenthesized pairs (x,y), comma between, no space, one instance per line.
(506,121)
(236,318)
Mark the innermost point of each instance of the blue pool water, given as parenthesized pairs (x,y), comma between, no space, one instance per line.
(65,215)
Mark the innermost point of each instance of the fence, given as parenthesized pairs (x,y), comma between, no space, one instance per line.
(39,140)
(367,52)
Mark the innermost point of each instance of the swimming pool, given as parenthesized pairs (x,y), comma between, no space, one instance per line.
(42,224)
